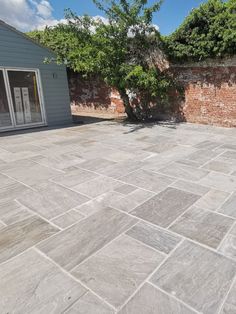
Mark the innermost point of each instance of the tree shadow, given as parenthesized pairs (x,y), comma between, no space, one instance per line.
(88,119)
(132,126)
(135,127)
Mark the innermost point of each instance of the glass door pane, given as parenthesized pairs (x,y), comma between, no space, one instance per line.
(25,97)
(5,117)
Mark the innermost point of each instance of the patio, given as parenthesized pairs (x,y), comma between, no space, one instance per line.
(118,218)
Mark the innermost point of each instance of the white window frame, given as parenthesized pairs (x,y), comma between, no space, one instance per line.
(15,126)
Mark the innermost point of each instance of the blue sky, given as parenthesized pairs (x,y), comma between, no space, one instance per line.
(35,14)
(170,16)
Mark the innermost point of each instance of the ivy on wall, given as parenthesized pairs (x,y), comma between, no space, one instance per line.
(208,32)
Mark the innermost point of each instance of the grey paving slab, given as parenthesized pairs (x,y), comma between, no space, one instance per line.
(229,306)
(201,156)
(233,230)
(156,137)
(190,162)
(34,174)
(100,202)
(197,276)
(73,245)
(2,225)
(219,181)
(73,177)
(48,166)
(67,219)
(203,226)
(50,199)
(118,155)
(96,164)
(183,172)
(150,300)
(155,163)
(228,246)
(31,284)
(98,151)
(9,189)
(21,147)
(13,157)
(5,181)
(161,147)
(12,212)
(147,180)
(229,154)
(229,146)
(190,187)
(54,151)
(229,207)
(1,161)
(16,139)
(125,189)
(159,239)
(21,235)
(132,200)
(208,145)
(90,304)
(229,161)
(59,162)
(11,192)
(165,207)
(96,187)
(116,271)
(10,165)
(220,166)
(212,200)
(178,152)
(121,168)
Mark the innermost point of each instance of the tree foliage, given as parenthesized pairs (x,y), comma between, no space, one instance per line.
(208,31)
(117,49)
(72,43)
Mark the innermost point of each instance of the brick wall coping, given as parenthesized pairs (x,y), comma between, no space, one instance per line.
(207,63)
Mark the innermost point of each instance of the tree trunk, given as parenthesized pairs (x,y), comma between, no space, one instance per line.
(128,108)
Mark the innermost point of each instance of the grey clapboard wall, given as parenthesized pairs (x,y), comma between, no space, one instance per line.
(16,50)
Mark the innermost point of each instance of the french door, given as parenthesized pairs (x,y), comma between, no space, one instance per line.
(5,114)
(21,102)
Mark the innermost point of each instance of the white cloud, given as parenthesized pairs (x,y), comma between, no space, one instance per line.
(27,15)
(44,9)
(99,18)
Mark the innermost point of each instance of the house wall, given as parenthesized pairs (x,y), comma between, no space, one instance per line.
(20,52)
(209,88)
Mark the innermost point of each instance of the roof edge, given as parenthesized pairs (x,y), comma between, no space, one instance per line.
(12,28)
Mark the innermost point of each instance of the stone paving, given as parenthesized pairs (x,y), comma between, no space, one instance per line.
(118,218)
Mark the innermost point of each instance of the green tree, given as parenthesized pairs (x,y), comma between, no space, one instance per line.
(118,49)
(208,31)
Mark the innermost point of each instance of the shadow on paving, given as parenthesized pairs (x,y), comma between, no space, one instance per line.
(136,126)
(78,120)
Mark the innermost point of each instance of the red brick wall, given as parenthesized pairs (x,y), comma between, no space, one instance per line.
(210,94)
(93,95)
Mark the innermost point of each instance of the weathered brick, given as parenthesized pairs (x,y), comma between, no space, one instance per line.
(93,95)
(210,94)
